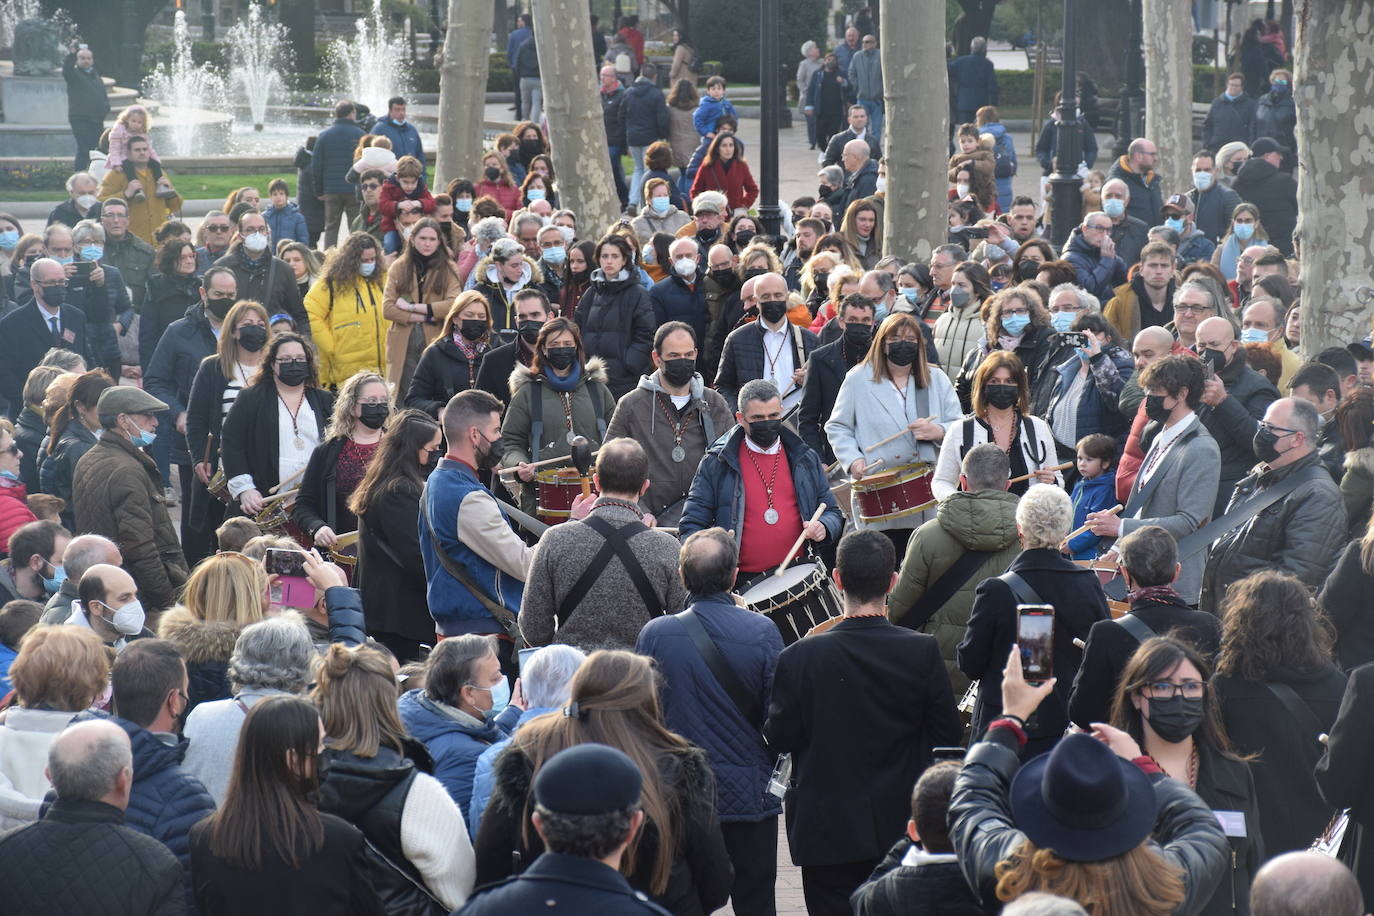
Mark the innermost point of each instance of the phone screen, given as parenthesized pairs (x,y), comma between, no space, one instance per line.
(285,563)
(525,656)
(1035,639)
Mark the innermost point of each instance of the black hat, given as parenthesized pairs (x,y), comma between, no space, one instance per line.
(1266,145)
(1083,801)
(588,779)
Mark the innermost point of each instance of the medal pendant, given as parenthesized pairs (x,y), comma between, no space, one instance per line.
(679,454)
(771,516)
(570,437)
(299,443)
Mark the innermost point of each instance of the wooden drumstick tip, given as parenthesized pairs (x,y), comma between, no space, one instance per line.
(1078,643)
(1114,510)
(796,545)
(1058,467)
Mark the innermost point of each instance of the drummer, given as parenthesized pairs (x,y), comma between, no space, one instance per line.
(561,395)
(1001,414)
(892,392)
(771,477)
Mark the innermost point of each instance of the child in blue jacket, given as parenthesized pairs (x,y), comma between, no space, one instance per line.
(1095,490)
(712,105)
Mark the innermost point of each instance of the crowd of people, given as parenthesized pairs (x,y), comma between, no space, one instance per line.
(526,563)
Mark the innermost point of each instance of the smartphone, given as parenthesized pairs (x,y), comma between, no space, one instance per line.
(293,589)
(285,562)
(82,272)
(1074,339)
(1035,639)
(940,754)
(526,655)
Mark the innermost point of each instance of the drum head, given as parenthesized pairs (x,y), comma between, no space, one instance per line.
(773,586)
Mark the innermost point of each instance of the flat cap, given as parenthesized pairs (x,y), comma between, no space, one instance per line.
(127,399)
(1266,145)
(709,202)
(588,779)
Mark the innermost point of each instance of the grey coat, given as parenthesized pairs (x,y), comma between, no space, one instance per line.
(1178,498)
(866,75)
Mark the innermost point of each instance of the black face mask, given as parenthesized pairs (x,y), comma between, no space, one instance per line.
(1155,409)
(903,352)
(531,148)
(773,310)
(822,192)
(496,448)
(561,358)
(1214,358)
(743,238)
(473,329)
(765,432)
(252,337)
(492,173)
(54,296)
(374,415)
(820,280)
(755,272)
(725,277)
(1027,269)
(1003,397)
(529,331)
(219,306)
(293,374)
(1174,718)
(678,372)
(707,237)
(858,335)
(1266,444)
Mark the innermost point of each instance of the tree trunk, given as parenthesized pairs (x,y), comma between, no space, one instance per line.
(1334,83)
(462,90)
(577,131)
(915,141)
(1168,46)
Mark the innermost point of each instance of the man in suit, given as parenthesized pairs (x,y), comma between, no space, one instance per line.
(862,704)
(771,348)
(857,130)
(35,328)
(1176,487)
(828,367)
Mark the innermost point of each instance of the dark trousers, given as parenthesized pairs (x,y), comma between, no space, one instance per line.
(87,133)
(826,888)
(753,850)
(338,207)
(622,189)
(403,647)
(201,514)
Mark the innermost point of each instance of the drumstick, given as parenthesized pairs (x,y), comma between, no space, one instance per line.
(1058,467)
(286,481)
(540,464)
(1077,531)
(891,438)
(815,517)
(868,468)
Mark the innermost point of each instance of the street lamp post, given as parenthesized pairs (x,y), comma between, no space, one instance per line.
(1131,121)
(770,214)
(1066,194)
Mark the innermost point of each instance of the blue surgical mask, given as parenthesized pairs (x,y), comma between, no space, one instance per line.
(11,475)
(556,255)
(67,260)
(92,252)
(1243,231)
(536,193)
(463,204)
(911,293)
(143,439)
(1062,321)
(1230,96)
(500,699)
(1015,325)
(1254,335)
(1113,207)
(53,585)
(1202,180)
(660,204)
(8,240)
(1175,223)
(367,268)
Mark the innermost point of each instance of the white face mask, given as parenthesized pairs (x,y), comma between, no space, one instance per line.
(257,242)
(86,201)
(882,184)
(961,190)
(127,620)
(685,267)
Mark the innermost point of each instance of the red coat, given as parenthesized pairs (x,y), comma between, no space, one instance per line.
(736,183)
(508,196)
(14,511)
(392,194)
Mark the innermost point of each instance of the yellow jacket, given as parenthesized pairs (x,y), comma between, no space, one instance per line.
(348,326)
(145,216)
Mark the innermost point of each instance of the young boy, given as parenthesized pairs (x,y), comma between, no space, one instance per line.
(712,106)
(404,191)
(921,872)
(283,217)
(1095,490)
(236,532)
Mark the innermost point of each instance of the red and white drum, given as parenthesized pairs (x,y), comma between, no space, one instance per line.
(894,494)
(557,488)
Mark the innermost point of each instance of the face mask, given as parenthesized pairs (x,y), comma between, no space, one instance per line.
(127,620)
(141,438)
(556,255)
(860,335)
(822,192)
(958,296)
(1279,86)
(256,243)
(912,294)
(292,374)
(529,330)
(648,256)
(1229,96)
(743,238)
(500,699)
(54,296)
(1202,180)
(993,253)
(660,204)
(1155,409)
(491,172)
(531,147)
(464,204)
(1243,231)
(1215,359)
(1266,443)
(1113,207)
(536,193)
(1015,325)
(219,306)
(59,575)
(489,459)
(374,415)
(1254,335)
(961,190)
(367,268)
(1003,397)
(881,184)
(1175,223)
(765,432)
(678,372)
(1062,321)
(8,240)
(773,310)
(561,357)
(902,352)
(473,328)
(725,277)
(1174,718)
(64,261)
(86,201)
(252,337)
(685,267)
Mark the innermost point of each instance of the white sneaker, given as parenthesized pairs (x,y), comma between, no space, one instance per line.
(169,496)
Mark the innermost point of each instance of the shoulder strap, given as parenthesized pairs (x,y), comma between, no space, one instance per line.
(747,704)
(1200,539)
(536,417)
(1136,627)
(503,614)
(1297,708)
(943,588)
(969,421)
(1021,589)
(615,543)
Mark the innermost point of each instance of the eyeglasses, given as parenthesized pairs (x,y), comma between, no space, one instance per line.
(1191,309)
(295,360)
(370,186)
(1281,430)
(1163,690)
(1020,311)
(217,227)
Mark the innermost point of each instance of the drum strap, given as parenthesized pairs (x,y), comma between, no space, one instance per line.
(617,544)
(747,704)
(1136,627)
(1021,589)
(503,615)
(943,588)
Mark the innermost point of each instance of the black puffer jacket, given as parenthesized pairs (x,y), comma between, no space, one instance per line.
(170,369)
(1301,534)
(168,297)
(56,471)
(1276,194)
(28,435)
(444,370)
(617,322)
(983,832)
(934,887)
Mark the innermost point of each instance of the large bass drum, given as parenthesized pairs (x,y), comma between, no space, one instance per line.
(802,597)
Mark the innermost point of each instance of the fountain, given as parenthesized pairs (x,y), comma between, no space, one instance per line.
(185,89)
(13,12)
(372,67)
(255,54)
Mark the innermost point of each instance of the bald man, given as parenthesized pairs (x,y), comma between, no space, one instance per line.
(80,851)
(83,552)
(1234,398)
(1305,884)
(108,604)
(1130,231)
(770,348)
(860,176)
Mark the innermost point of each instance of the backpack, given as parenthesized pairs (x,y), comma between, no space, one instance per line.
(696,65)
(1004,157)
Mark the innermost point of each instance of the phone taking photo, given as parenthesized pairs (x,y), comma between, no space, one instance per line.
(293,589)
(1035,641)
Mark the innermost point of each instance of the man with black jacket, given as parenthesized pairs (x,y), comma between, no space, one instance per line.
(1262,182)
(827,368)
(1233,400)
(329,164)
(262,277)
(867,700)
(611,92)
(645,112)
(531,311)
(87,103)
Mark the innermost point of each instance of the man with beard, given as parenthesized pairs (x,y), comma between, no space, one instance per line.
(798,252)
(829,365)
(721,283)
(531,311)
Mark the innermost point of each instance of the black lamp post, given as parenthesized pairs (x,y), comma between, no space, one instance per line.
(1130,122)
(1066,200)
(770,214)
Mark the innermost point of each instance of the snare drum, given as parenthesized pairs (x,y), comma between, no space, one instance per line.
(345,552)
(802,597)
(557,488)
(218,487)
(894,494)
(274,517)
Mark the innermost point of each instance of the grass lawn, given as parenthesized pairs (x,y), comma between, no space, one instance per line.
(192,187)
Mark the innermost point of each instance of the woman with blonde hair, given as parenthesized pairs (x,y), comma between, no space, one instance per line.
(839,281)
(224,593)
(304,262)
(339,463)
(680,860)
(451,362)
(378,779)
(862,228)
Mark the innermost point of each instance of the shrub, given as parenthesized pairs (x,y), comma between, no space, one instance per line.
(728,31)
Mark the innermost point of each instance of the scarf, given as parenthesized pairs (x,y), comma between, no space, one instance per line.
(563,385)
(470,350)
(1163,594)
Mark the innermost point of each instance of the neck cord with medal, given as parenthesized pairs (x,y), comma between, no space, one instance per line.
(298,442)
(678,427)
(773,357)
(770,515)
(565,397)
